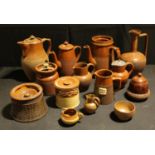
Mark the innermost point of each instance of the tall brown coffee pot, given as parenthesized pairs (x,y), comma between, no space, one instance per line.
(33,53)
(138,59)
(66,57)
(99,53)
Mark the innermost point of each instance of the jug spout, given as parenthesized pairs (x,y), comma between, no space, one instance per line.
(55,59)
(89,53)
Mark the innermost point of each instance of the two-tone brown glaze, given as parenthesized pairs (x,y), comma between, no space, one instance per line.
(46,74)
(33,53)
(137,58)
(67,57)
(99,53)
(83,72)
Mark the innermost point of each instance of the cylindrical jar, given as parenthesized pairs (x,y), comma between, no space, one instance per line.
(67,92)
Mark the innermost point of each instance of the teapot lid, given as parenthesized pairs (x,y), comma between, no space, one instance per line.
(66,46)
(139,78)
(118,63)
(66,82)
(31,40)
(26,91)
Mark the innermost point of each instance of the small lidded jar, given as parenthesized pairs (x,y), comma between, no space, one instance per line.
(67,92)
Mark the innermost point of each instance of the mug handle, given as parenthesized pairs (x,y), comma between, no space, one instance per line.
(78,54)
(129,67)
(115,50)
(49,44)
(81,115)
(91,67)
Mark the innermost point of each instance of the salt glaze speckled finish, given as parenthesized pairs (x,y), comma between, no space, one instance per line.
(100,51)
(83,72)
(33,53)
(28,103)
(66,58)
(138,59)
(46,74)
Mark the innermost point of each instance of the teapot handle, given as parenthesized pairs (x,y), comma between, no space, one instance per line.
(146,42)
(129,67)
(79,52)
(114,50)
(119,82)
(49,44)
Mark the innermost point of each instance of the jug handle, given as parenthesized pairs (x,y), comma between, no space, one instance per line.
(91,67)
(116,50)
(119,82)
(129,67)
(97,101)
(146,42)
(79,52)
(49,44)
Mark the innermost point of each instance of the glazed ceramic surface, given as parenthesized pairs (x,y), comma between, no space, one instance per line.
(139,87)
(33,53)
(70,116)
(67,57)
(46,74)
(67,92)
(99,53)
(83,72)
(124,110)
(27,102)
(137,58)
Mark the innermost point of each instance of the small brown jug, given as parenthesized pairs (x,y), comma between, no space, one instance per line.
(138,59)
(99,53)
(66,58)
(33,53)
(138,88)
(46,74)
(83,72)
(104,85)
(122,70)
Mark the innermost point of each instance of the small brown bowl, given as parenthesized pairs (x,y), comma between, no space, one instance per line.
(124,110)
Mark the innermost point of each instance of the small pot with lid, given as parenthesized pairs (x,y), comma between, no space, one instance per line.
(67,92)
(138,88)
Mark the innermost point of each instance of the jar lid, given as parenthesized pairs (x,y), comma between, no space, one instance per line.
(26,91)
(66,46)
(46,67)
(67,82)
(139,78)
(31,40)
(118,63)
(102,40)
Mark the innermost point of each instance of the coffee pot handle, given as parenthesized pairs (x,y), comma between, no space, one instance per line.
(129,67)
(78,53)
(49,44)
(114,50)
(145,35)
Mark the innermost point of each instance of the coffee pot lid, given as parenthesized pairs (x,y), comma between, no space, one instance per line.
(66,46)
(66,82)
(32,40)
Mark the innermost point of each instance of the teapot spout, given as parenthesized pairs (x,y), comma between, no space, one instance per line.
(89,53)
(55,59)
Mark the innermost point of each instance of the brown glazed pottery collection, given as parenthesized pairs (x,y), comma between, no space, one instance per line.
(33,53)
(110,68)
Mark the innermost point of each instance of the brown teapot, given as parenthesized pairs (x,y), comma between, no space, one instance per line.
(99,53)
(33,53)
(138,88)
(138,59)
(66,57)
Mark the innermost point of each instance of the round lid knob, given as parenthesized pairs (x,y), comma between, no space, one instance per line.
(32,40)
(67,82)
(66,46)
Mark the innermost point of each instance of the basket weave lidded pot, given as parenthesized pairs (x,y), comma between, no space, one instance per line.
(27,102)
